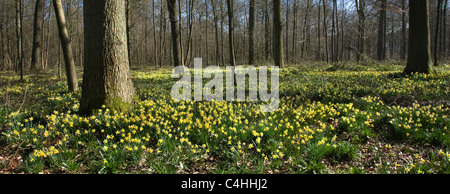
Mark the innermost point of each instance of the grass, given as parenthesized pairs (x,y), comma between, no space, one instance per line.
(332,119)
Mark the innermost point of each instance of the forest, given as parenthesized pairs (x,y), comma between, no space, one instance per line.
(362,86)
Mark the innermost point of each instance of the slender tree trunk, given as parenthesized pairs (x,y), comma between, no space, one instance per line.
(305,29)
(47,47)
(216,31)
(72,81)
(127,18)
(180,34)
(251,30)
(294,33)
(325,29)
(266,29)
(107,79)
(19,34)
(436,33)
(381,45)
(404,40)
(361,7)
(155,45)
(230,6)
(444,29)
(287,31)
(319,39)
(419,52)
(221,32)
(277,34)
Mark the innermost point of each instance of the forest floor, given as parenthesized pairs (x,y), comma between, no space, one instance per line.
(332,119)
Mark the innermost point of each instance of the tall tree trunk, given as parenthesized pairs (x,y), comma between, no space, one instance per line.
(155,48)
(171,6)
(216,31)
(419,52)
(180,34)
(444,29)
(404,40)
(305,29)
(381,45)
(361,7)
(287,31)
(294,32)
(107,79)
(277,34)
(251,30)
(266,30)
(230,6)
(325,29)
(436,33)
(72,81)
(37,36)
(127,18)
(319,39)
(222,39)
(19,34)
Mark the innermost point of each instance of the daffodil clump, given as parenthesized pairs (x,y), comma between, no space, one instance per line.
(325,120)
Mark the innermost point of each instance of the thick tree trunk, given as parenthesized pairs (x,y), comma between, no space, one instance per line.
(419,52)
(171,6)
(37,36)
(277,34)
(106,80)
(72,81)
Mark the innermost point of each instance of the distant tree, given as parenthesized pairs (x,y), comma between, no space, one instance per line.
(107,79)
(419,52)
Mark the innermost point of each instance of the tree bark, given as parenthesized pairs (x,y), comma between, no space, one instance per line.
(107,79)
(72,81)
(325,29)
(361,7)
(216,31)
(404,40)
(277,34)
(251,33)
(381,45)
(436,33)
(419,52)
(266,30)
(171,6)
(19,34)
(444,29)
(37,36)
(230,6)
